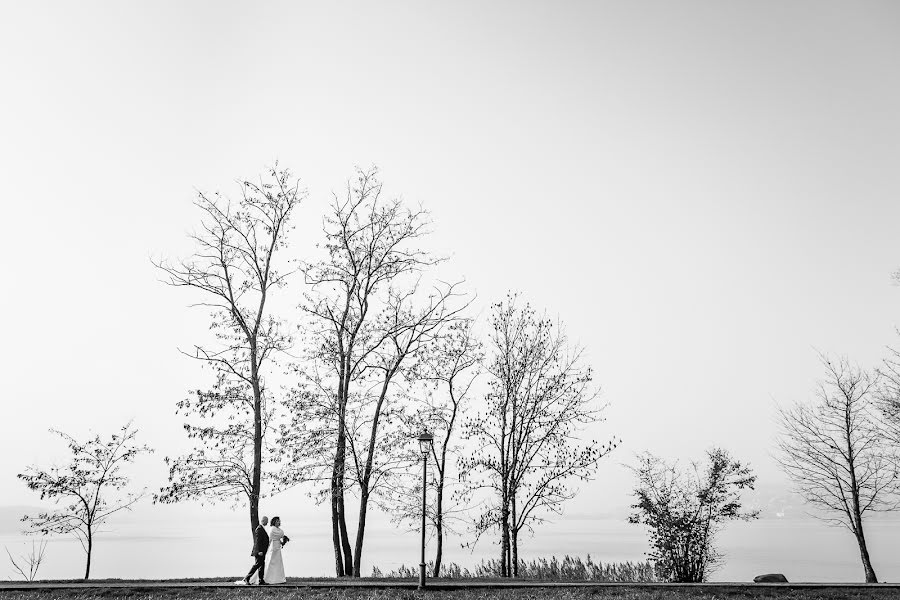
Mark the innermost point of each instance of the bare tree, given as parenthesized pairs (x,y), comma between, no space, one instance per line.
(368,321)
(87,485)
(448,371)
(234,269)
(835,452)
(889,395)
(30,562)
(528,448)
(685,510)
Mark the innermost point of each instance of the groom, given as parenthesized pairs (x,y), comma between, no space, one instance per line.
(260,547)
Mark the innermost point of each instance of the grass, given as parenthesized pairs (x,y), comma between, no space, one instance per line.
(624,592)
(570,568)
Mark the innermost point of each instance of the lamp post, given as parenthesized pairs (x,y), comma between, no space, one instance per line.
(425,442)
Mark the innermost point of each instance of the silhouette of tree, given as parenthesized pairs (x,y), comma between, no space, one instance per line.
(447,372)
(835,451)
(29,564)
(369,320)
(235,271)
(685,510)
(87,487)
(527,445)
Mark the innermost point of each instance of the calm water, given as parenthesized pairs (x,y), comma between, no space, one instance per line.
(801,549)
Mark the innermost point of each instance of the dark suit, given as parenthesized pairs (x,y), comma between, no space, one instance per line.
(260,547)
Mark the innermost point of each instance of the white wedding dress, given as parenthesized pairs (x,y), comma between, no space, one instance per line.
(274,565)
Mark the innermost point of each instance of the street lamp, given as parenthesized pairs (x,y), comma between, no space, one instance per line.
(425,442)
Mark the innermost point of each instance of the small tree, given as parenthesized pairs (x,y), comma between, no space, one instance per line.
(234,269)
(837,454)
(86,487)
(685,510)
(29,564)
(527,446)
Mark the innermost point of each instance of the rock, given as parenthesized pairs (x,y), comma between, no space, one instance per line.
(770,578)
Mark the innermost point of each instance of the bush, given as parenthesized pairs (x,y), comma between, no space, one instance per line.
(685,509)
(570,568)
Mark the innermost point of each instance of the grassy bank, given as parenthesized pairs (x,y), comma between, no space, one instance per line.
(624,592)
(568,568)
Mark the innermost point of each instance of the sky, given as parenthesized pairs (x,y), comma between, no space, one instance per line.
(705,193)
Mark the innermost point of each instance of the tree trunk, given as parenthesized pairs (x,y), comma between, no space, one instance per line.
(342,511)
(337,497)
(254,515)
(864,552)
(855,505)
(90,547)
(515,552)
(514,560)
(439,528)
(504,540)
(867,563)
(360,531)
(441,471)
(257,442)
(257,464)
(504,500)
(367,474)
(343,553)
(336,480)
(345,539)
(335,534)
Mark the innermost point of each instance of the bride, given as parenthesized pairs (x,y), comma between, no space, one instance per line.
(275,565)
(275,568)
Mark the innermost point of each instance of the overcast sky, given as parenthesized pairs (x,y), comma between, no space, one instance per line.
(706,193)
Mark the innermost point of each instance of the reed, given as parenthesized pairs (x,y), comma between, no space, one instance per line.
(569,568)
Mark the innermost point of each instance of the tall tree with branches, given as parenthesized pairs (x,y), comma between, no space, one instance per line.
(528,448)
(369,320)
(234,271)
(835,452)
(90,488)
(447,374)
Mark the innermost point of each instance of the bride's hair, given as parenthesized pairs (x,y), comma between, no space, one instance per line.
(276,519)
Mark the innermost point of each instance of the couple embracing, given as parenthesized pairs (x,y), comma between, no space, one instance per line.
(274,571)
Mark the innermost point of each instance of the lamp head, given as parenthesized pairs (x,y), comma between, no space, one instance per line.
(425,442)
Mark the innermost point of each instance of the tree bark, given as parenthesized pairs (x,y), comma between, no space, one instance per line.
(257,439)
(342,551)
(504,540)
(857,512)
(367,475)
(335,536)
(515,536)
(504,496)
(336,471)
(345,538)
(864,555)
(342,512)
(439,528)
(360,532)
(514,559)
(441,470)
(335,519)
(90,547)
(863,548)
(343,556)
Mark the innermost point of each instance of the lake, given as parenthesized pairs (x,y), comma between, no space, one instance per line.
(218,545)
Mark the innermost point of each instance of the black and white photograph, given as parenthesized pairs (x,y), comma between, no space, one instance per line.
(511,300)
